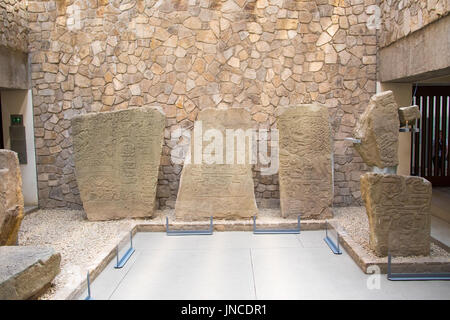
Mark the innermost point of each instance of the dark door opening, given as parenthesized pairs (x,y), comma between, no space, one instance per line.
(430,146)
(2,146)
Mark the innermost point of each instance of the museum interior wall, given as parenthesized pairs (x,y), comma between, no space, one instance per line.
(185,56)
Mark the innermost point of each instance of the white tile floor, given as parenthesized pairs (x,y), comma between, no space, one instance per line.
(240,265)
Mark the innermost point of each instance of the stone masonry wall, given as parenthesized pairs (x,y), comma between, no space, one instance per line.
(187,55)
(13,25)
(402,17)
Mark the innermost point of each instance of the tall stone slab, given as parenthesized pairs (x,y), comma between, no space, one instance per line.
(378,130)
(117,156)
(305,161)
(11,198)
(213,184)
(398,208)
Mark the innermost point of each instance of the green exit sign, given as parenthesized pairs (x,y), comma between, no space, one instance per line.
(16,120)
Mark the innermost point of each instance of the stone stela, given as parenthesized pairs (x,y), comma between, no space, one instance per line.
(11,198)
(398,208)
(306,170)
(221,190)
(378,130)
(117,157)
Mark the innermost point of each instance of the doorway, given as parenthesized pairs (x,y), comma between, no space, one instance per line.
(430,146)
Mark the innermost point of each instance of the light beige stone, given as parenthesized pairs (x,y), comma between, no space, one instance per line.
(193,23)
(378,130)
(254,27)
(234,62)
(221,188)
(398,208)
(11,198)
(315,66)
(117,157)
(305,163)
(206,36)
(408,115)
(324,38)
(286,24)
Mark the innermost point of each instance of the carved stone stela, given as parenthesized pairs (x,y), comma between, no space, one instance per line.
(305,163)
(222,190)
(11,198)
(378,131)
(117,156)
(398,208)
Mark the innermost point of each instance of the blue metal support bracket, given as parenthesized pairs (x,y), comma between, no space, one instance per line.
(120,263)
(89,297)
(334,247)
(189,232)
(408,129)
(276,231)
(414,276)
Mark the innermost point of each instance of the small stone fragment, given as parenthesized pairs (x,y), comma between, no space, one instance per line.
(408,115)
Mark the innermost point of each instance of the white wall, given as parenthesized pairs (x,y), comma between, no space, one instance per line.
(19,102)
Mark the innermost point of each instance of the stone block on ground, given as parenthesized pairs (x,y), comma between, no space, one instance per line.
(11,198)
(210,185)
(378,130)
(117,157)
(25,272)
(398,208)
(305,161)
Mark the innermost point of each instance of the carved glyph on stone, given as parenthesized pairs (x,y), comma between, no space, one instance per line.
(222,189)
(398,208)
(117,156)
(305,161)
(11,198)
(378,130)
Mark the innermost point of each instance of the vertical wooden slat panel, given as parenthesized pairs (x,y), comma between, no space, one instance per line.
(444,134)
(434,106)
(412,154)
(448,136)
(423,139)
(430,136)
(436,123)
(417,142)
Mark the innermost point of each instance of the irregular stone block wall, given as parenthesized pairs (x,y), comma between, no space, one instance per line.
(94,56)
(402,17)
(13,24)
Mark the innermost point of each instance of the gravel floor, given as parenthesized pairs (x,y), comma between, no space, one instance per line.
(355,222)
